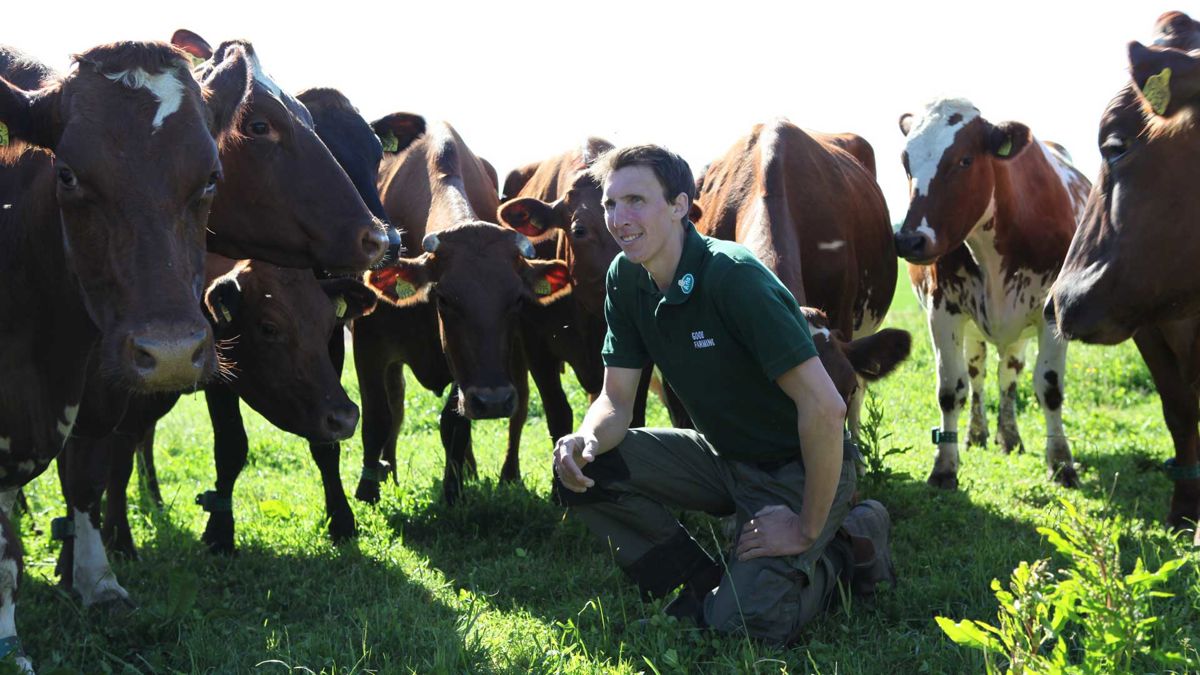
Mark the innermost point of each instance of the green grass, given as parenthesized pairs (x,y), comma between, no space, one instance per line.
(502,583)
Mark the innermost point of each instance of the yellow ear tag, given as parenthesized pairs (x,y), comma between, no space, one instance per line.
(404,289)
(226,313)
(390,142)
(3,134)
(339,307)
(1005,148)
(1158,91)
(542,287)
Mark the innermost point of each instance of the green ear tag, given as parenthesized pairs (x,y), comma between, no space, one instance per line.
(542,287)
(226,313)
(339,307)
(390,142)
(1005,148)
(3,134)
(404,289)
(1158,91)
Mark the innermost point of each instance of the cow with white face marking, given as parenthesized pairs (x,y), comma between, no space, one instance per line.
(991,215)
(107,186)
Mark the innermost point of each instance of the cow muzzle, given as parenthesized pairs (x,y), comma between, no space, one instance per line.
(915,247)
(489,402)
(166,358)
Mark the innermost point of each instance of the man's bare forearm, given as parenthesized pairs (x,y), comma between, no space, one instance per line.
(607,422)
(821,448)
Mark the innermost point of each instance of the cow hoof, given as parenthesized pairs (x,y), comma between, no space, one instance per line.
(113,607)
(342,528)
(1012,446)
(943,481)
(978,438)
(367,492)
(218,535)
(1065,476)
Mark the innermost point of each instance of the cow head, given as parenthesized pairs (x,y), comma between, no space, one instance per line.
(274,325)
(480,276)
(284,197)
(1132,260)
(580,215)
(872,357)
(948,156)
(133,174)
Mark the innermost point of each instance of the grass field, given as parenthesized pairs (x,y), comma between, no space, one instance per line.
(502,583)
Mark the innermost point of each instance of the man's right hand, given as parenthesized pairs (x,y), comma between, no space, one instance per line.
(571,453)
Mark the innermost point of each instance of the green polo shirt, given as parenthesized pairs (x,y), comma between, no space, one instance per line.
(724,331)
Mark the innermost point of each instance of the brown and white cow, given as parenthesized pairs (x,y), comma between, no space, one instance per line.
(992,212)
(1130,269)
(451,313)
(285,199)
(814,215)
(107,185)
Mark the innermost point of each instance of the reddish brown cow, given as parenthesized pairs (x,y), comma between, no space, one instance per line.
(992,212)
(1129,270)
(814,215)
(285,199)
(453,311)
(106,190)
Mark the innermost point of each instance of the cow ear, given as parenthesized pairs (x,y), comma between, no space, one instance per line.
(404,282)
(1168,79)
(549,280)
(222,301)
(29,116)
(906,121)
(226,89)
(529,216)
(876,356)
(398,130)
(351,298)
(1007,139)
(193,44)
(695,212)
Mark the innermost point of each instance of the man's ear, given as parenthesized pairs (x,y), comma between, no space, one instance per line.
(681,206)
(403,283)
(398,130)
(548,280)
(351,298)
(1006,139)
(222,301)
(29,116)
(531,217)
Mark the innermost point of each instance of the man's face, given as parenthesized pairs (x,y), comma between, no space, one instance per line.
(637,214)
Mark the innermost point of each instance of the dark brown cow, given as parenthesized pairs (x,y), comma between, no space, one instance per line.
(285,199)
(992,212)
(1130,269)
(814,216)
(870,358)
(454,310)
(107,188)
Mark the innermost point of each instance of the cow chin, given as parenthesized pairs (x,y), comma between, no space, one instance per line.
(159,356)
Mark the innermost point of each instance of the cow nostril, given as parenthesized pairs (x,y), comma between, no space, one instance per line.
(374,243)
(142,358)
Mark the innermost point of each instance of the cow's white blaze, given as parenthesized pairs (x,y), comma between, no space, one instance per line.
(931,134)
(94,578)
(166,87)
(835,245)
(926,230)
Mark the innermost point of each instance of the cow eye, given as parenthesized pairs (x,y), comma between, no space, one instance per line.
(579,231)
(1113,149)
(213,179)
(965,162)
(67,179)
(268,329)
(259,128)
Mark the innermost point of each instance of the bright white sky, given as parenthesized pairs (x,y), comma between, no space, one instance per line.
(525,79)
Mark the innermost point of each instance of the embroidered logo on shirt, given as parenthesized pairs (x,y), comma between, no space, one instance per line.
(700,341)
(687,283)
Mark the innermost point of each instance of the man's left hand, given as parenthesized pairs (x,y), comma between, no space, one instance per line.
(774,531)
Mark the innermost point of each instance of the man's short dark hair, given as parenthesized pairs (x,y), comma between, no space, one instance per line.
(672,172)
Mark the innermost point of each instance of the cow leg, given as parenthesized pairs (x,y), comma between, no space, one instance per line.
(511,471)
(1048,383)
(547,377)
(1012,362)
(115,531)
(12,566)
(381,389)
(147,472)
(230,449)
(1181,411)
(337,508)
(947,331)
(456,439)
(976,354)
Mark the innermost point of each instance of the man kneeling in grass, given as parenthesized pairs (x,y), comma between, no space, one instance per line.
(732,342)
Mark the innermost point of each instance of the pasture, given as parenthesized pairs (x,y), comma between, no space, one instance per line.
(501,583)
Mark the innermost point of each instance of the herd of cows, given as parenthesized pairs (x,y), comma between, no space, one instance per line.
(173,219)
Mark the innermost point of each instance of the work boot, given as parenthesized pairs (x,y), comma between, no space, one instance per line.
(689,604)
(870,530)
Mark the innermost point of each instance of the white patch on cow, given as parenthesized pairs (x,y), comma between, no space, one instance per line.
(8,605)
(94,578)
(822,332)
(926,230)
(5,444)
(67,422)
(768,139)
(261,77)
(27,467)
(931,135)
(1068,176)
(835,245)
(7,499)
(166,87)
